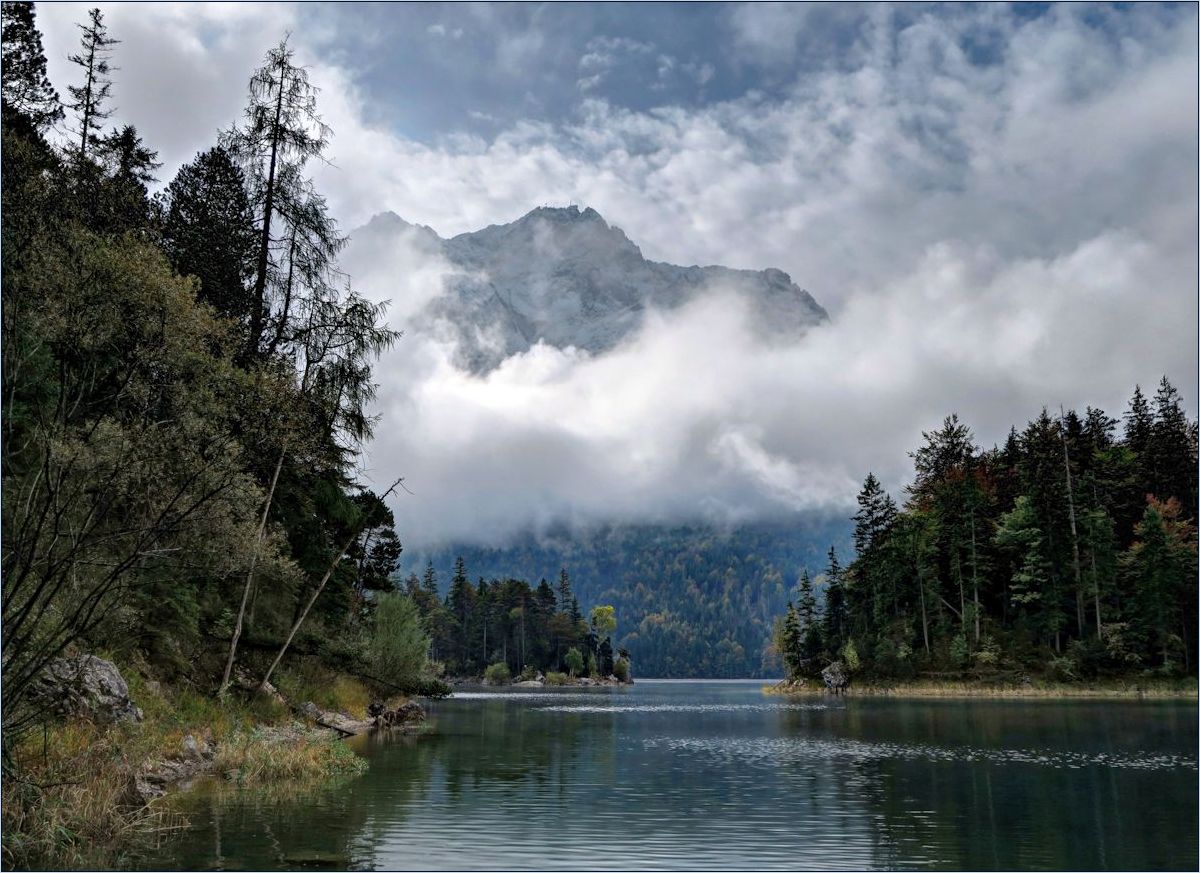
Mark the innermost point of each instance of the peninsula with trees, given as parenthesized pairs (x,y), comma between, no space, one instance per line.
(1065,556)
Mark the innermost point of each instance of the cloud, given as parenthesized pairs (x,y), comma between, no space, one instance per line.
(697,416)
(182,69)
(997,208)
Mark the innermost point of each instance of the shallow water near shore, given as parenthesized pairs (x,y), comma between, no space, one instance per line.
(679,775)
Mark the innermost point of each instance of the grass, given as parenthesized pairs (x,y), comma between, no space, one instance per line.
(1047,689)
(255,758)
(325,688)
(69,799)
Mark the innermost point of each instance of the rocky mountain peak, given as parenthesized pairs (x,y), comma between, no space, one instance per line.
(566,277)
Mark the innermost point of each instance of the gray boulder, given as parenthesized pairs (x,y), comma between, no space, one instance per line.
(85,686)
(835,677)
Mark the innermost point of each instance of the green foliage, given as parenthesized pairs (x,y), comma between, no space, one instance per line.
(30,103)
(399,644)
(1066,551)
(497,674)
(691,600)
(574,661)
(555,678)
(603,620)
(621,669)
(849,657)
(139,438)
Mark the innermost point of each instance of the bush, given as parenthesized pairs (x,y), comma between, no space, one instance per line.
(497,674)
(989,652)
(574,661)
(621,669)
(528,673)
(960,650)
(553,678)
(398,641)
(850,657)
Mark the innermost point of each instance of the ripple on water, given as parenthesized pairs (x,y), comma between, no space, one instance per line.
(770,751)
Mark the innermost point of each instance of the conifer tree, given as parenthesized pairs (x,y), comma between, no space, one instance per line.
(29,101)
(836,618)
(88,101)
(209,231)
(281,131)
(1173,460)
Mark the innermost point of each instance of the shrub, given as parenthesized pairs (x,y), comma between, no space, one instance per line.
(621,669)
(574,661)
(398,641)
(850,657)
(553,678)
(497,674)
(593,667)
(960,650)
(989,652)
(528,673)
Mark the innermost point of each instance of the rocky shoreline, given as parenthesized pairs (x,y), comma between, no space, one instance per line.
(91,688)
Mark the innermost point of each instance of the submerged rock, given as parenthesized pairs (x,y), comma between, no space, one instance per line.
(85,686)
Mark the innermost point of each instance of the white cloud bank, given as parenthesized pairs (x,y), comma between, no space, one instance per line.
(988,237)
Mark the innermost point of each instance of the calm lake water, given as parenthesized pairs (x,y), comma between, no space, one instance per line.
(715,774)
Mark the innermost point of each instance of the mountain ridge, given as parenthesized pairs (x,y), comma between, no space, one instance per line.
(565,276)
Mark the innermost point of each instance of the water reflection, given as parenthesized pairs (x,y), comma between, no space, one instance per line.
(680,775)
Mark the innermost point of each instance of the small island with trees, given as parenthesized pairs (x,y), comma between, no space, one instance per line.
(505,631)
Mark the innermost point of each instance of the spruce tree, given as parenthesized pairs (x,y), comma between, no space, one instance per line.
(564,590)
(836,618)
(1172,458)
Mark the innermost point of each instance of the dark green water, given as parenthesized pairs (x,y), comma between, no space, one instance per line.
(717,775)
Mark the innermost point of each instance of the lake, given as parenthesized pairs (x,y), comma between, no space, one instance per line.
(675,775)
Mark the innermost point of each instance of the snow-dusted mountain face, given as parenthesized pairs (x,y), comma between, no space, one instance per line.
(566,277)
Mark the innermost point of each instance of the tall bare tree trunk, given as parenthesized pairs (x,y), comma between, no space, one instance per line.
(262,526)
(1062,432)
(264,248)
(341,553)
(975,574)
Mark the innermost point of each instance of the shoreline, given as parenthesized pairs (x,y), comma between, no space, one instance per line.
(93,793)
(962,689)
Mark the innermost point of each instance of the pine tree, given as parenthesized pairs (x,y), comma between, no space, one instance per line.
(209,231)
(1160,570)
(28,100)
(88,100)
(791,642)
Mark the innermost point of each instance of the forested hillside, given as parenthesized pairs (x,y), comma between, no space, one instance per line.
(694,601)
(187,382)
(1069,551)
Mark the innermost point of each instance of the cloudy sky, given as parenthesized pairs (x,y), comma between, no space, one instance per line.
(997,206)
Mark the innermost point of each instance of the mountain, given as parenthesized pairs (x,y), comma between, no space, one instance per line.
(566,277)
(692,600)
